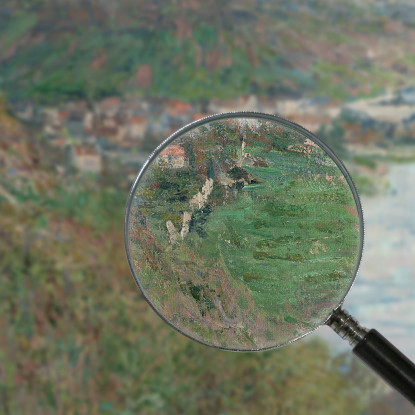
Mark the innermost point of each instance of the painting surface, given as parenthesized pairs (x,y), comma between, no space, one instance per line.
(244,233)
(88,90)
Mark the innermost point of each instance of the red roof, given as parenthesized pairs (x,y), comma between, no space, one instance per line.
(59,142)
(64,114)
(106,131)
(178,107)
(173,151)
(137,120)
(199,116)
(110,103)
(85,150)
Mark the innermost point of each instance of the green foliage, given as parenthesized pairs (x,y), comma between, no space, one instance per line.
(173,190)
(199,218)
(333,136)
(365,161)
(96,51)
(211,168)
(270,225)
(18,26)
(365,184)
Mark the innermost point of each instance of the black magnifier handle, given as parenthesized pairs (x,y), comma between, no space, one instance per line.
(377,352)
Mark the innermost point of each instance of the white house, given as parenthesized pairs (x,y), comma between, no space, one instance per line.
(87,158)
(137,127)
(89,121)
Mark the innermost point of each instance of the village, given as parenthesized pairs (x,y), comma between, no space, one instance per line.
(122,132)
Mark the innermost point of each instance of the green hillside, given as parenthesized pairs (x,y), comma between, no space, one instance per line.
(193,49)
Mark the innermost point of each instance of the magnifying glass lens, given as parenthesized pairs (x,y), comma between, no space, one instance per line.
(244,231)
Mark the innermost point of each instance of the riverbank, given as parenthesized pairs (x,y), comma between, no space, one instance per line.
(383,295)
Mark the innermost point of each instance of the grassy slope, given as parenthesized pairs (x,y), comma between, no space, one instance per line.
(290,256)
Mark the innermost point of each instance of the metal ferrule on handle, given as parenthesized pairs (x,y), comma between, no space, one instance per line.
(377,352)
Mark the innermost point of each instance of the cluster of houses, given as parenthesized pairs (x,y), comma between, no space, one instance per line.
(389,116)
(127,129)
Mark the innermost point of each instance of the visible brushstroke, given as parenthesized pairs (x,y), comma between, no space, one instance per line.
(249,233)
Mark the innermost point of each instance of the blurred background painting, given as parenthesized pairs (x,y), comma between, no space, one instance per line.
(88,89)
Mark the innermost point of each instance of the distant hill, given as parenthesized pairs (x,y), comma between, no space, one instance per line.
(194,49)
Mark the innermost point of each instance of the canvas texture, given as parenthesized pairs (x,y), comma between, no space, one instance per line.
(244,233)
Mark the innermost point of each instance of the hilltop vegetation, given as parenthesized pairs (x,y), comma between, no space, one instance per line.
(196,50)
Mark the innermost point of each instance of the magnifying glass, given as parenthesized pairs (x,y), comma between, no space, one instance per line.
(244,232)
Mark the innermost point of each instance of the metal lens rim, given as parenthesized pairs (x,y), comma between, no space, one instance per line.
(257,115)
